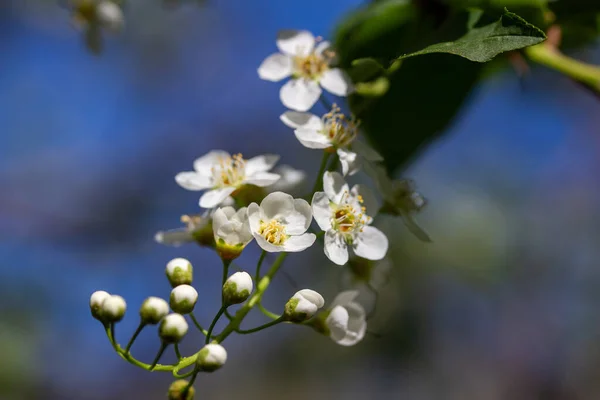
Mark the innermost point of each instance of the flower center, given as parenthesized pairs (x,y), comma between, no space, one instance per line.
(347,218)
(339,129)
(311,66)
(229,171)
(273,232)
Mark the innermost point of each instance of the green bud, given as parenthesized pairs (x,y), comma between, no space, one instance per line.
(179,272)
(153,310)
(237,288)
(212,357)
(179,390)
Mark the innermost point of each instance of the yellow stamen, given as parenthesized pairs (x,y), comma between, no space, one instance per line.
(273,232)
(229,171)
(339,129)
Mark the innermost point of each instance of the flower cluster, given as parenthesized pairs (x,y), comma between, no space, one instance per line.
(247,199)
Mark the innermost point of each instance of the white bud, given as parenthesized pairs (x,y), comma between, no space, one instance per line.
(303,305)
(153,310)
(237,288)
(212,357)
(113,308)
(173,328)
(179,272)
(110,15)
(183,299)
(96,300)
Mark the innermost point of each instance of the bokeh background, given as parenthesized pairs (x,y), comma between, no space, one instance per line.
(503,305)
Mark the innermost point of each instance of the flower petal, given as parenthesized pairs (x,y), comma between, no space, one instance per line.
(277,205)
(322,47)
(300,94)
(295,119)
(337,322)
(357,325)
(312,138)
(219,218)
(213,198)
(344,298)
(174,237)
(369,200)
(366,151)
(350,162)
(334,186)
(262,179)
(336,248)
(267,246)
(371,243)
(275,67)
(254,216)
(299,243)
(321,210)
(261,163)
(204,164)
(193,180)
(298,221)
(337,82)
(295,43)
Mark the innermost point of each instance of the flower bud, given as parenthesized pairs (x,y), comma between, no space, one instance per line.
(303,305)
(110,15)
(153,310)
(172,328)
(177,390)
(183,299)
(179,272)
(237,288)
(96,300)
(113,309)
(211,357)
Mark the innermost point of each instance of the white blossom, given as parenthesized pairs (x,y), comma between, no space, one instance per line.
(96,300)
(280,223)
(173,328)
(198,228)
(113,308)
(153,310)
(183,299)
(310,66)
(231,231)
(211,357)
(345,216)
(368,277)
(303,305)
(333,130)
(221,174)
(346,322)
(179,271)
(237,288)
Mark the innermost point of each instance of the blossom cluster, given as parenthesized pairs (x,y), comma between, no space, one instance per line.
(245,200)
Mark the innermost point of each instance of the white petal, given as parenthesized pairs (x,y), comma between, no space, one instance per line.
(298,221)
(299,243)
(321,210)
(254,215)
(193,181)
(337,82)
(261,163)
(344,298)
(311,138)
(295,120)
(300,94)
(369,200)
(336,248)
(219,218)
(267,246)
(311,296)
(277,205)
(349,160)
(204,164)
(337,322)
(174,237)
(334,186)
(213,198)
(322,47)
(366,151)
(262,179)
(371,243)
(295,43)
(275,67)
(357,325)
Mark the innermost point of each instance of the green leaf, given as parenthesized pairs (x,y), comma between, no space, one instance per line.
(510,32)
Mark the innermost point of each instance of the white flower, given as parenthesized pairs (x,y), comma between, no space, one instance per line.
(368,277)
(346,322)
(96,300)
(179,271)
(183,299)
(303,305)
(291,179)
(232,231)
(113,308)
(333,130)
(173,328)
(342,214)
(211,357)
(237,288)
(153,310)
(222,174)
(280,223)
(198,229)
(308,65)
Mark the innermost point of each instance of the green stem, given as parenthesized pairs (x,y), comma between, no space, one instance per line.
(135,335)
(258,264)
(266,312)
(177,352)
(319,180)
(226,264)
(163,347)
(334,163)
(214,322)
(190,383)
(260,328)
(129,358)
(195,321)
(552,58)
